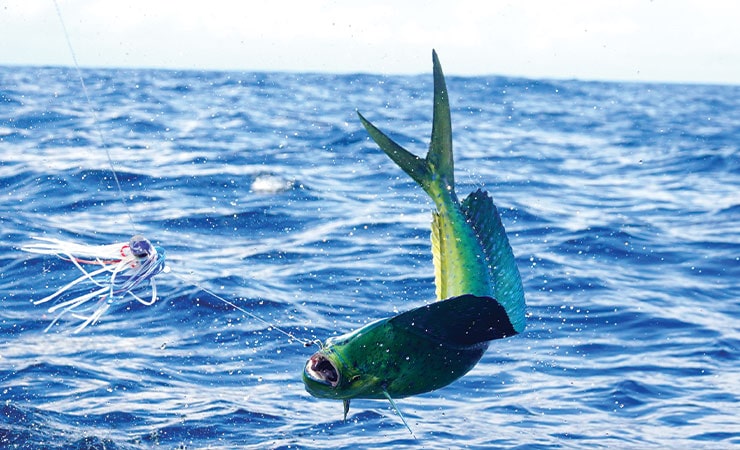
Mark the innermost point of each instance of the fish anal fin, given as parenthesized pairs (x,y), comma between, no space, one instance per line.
(438,247)
(485,220)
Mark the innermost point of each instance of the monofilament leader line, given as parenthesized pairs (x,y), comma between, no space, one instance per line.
(305,342)
(109,273)
(94,116)
(122,266)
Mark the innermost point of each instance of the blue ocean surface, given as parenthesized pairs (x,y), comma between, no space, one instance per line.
(621,202)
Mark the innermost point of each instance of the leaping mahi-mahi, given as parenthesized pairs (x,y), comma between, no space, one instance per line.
(479,290)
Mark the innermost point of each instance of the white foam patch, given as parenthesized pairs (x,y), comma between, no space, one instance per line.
(271,184)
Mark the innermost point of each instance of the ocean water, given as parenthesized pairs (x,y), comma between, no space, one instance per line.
(621,202)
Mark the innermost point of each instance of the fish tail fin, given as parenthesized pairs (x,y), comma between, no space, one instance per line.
(437,169)
(398,411)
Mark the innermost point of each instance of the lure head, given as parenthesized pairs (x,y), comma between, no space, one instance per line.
(141,247)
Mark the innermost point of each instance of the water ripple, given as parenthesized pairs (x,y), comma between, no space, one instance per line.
(620,201)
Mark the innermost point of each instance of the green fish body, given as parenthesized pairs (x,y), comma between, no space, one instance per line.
(412,353)
(479,290)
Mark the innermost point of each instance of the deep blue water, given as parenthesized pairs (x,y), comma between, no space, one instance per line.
(621,201)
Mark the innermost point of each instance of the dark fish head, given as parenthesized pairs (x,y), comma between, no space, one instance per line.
(328,374)
(321,371)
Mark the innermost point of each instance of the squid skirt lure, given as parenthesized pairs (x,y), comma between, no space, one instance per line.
(109,272)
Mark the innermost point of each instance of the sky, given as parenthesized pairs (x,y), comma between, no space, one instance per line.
(695,41)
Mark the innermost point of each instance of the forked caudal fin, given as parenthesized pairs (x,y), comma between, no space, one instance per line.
(471,251)
(437,169)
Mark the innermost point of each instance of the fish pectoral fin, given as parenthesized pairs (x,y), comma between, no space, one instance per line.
(464,320)
(345,402)
(398,411)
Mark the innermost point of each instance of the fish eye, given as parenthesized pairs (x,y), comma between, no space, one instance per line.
(140,246)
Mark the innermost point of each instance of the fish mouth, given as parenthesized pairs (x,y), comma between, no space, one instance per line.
(319,368)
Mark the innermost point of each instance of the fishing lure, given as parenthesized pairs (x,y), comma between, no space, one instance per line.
(119,270)
(479,290)
(122,268)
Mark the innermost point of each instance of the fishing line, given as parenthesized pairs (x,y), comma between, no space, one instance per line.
(155,263)
(94,115)
(306,343)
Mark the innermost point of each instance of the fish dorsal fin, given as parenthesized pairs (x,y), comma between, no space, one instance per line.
(463,321)
(398,411)
(483,216)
